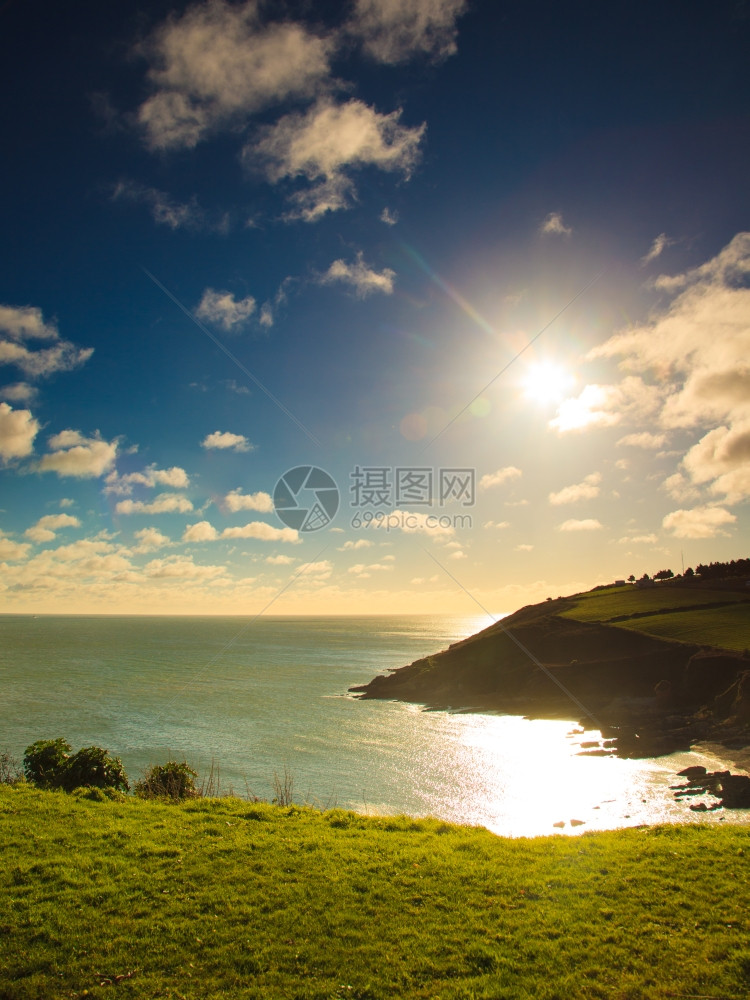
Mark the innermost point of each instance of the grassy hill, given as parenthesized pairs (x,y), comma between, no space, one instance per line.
(601,656)
(230,899)
(694,614)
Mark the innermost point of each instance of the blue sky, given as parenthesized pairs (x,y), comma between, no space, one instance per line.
(423,236)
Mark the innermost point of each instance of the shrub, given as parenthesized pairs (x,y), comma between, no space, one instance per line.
(93,767)
(44,762)
(49,764)
(173,780)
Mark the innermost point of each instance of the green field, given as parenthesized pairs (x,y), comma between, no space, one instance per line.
(225,898)
(726,626)
(600,606)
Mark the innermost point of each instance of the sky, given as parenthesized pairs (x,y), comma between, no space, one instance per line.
(479,269)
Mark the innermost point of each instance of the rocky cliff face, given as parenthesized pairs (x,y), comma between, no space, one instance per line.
(536,663)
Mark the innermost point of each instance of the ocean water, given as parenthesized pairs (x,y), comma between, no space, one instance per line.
(268,696)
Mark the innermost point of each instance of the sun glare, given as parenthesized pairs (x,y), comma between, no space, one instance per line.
(546,382)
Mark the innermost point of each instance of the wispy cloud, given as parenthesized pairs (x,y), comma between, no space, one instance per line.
(218,63)
(645,439)
(122,485)
(586,490)
(659,245)
(164,503)
(504,475)
(364,279)
(394,31)
(168,211)
(222,309)
(553,225)
(20,325)
(324,143)
(588,524)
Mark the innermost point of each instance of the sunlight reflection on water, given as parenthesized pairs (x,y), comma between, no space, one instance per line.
(258,699)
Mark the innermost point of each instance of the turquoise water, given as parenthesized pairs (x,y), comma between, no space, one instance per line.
(258,696)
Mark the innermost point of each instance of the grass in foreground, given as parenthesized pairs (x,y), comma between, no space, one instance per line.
(224,898)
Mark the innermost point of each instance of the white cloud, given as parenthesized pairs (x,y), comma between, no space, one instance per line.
(181,568)
(458,554)
(19,392)
(226,439)
(503,475)
(389,217)
(164,503)
(23,323)
(203,531)
(166,211)
(643,440)
(218,63)
(18,428)
(638,540)
(586,490)
(524,548)
(237,500)
(659,245)
(700,522)
(26,322)
(362,569)
(266,315)
(12,551)
(722,455)
(151,476)
(607,405)
(222,309)
(393,31)
(553,225)
(362,278)
(46,527)
(150,539)
(67,502)
(695,351)
(497,525)
(361,543)
(279,560)
(73,454)
(262,531)
(413,522)
(321,569)
(322,143)
(589,524)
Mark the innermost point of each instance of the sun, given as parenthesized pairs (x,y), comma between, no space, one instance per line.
(546,382)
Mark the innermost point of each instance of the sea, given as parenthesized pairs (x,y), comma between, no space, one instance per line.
(262,704)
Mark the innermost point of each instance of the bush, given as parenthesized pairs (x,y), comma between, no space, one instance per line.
(44,762)
(173,780)
(93,767)
(48,764)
